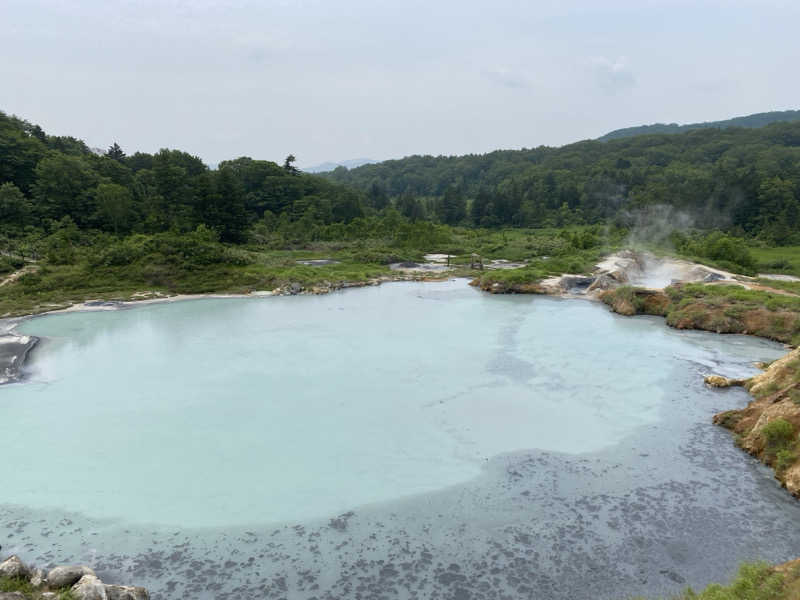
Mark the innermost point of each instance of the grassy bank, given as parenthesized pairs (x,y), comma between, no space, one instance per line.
(754,581)
(526,279)
(91,268)
(717,308)
(29,592)
(768,427)
(783,259)
(53,286)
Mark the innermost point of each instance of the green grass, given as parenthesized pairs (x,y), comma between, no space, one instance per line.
(784,259)
(780,440)
(736,294)
(789,286)
(754,581)
(576,262)
(24,587)
(720,308)
(194,263)
(66,284)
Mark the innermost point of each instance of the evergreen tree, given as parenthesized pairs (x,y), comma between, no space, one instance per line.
(453,206)
(289,167)
(115,152)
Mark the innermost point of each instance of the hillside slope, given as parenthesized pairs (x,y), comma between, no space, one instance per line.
(748,121)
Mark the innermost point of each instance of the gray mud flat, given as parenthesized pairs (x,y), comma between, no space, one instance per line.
(677,505)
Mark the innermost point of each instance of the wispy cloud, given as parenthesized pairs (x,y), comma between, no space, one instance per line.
(507,77)
(612,75)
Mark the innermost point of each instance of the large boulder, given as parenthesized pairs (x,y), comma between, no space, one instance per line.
(66,576)
(89,587)
(14,568)
(126,592)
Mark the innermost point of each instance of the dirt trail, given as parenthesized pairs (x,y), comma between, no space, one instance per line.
(17,274)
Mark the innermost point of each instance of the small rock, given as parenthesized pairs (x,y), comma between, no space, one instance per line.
(89,587)
(49,596)
(11,596)
(719,381)
(67,575)
(37,578)
(126,592)
(13,567)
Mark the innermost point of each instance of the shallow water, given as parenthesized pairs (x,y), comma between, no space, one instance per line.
(476,446)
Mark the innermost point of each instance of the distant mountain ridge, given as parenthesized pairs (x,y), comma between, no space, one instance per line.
(330,166)
(750,121)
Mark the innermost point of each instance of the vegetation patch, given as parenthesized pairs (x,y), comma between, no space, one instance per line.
(24,587)
(754,581)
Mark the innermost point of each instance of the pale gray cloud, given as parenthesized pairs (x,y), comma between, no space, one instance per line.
(508,77)
(612,75)
(377,78)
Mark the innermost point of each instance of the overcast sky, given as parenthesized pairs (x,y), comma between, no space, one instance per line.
(332,80)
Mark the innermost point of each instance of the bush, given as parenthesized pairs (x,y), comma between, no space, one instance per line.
(9,264)
(784,459)
(778,435)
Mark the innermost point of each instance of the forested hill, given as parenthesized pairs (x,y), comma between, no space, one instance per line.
(749,121)
(49,183)
(743,180)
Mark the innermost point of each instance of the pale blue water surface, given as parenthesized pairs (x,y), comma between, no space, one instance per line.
(450,427)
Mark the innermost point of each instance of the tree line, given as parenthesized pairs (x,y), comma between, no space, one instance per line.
(51,182)
(744,181)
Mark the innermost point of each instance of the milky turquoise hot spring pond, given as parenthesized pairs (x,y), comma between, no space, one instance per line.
(220,412)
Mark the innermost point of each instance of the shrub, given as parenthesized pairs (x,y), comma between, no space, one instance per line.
(784,459)
(778,434)
(9,264)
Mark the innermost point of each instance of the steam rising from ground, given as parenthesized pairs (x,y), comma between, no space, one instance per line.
(654,224)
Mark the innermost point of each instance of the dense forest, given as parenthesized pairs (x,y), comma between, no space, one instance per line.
(77,223)
(745,181)
(57,195)
(751,121)
(50,183)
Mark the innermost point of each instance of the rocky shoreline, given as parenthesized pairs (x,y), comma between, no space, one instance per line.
(14,350)
(19,581)
(767,428)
